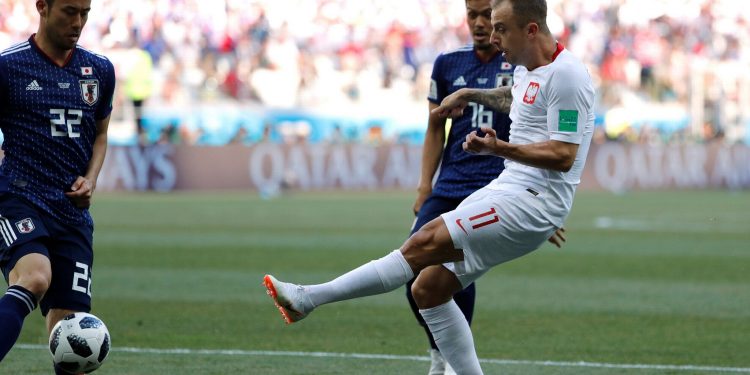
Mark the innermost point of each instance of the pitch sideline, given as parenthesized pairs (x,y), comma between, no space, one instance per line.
(235,352)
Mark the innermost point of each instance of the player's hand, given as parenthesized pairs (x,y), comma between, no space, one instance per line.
(452,106)
(80,192)
(479,145)
(558,238)
(421,197)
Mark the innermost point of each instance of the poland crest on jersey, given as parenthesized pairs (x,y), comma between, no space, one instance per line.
(531,92)
(90,91)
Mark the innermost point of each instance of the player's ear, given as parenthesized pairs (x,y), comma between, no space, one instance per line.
(532,28)
(41,7)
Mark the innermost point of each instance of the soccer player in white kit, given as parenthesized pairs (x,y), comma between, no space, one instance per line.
(552,124)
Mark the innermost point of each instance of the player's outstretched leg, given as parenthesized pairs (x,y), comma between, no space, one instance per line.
(15,305)
(290,299)
(376,277)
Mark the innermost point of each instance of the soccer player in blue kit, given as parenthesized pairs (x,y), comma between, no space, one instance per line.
(478,65)
(55,104)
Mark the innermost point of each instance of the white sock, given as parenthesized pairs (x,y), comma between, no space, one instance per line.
(453,337)
(376,277)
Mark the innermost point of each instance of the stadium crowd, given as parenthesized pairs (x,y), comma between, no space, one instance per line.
(666,70)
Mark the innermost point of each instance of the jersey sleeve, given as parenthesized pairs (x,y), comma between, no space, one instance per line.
(438,88)
(567,110)
(3,81)
(108,93)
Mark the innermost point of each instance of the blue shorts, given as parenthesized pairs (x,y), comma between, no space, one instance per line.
(26,230)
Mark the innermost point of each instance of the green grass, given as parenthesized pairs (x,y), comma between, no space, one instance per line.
(656,278)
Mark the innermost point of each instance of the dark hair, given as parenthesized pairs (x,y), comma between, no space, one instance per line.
(49,3)
(527,11)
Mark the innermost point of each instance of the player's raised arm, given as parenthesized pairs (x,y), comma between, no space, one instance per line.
(498,99)
(432,152)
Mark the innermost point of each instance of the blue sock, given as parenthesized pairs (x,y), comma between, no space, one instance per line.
(465,301)
(14,306)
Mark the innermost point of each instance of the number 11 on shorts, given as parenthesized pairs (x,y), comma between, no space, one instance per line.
(481,220)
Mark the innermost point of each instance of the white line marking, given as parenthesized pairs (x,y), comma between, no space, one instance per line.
(711,225)
(267,353)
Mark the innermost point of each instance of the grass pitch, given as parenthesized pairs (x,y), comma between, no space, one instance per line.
(648,283)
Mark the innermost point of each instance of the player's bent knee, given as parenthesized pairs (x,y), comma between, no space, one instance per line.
(422,239)
(419,294)
(32,272)
(37,282)
(418,250)
(429,246)
(429,295)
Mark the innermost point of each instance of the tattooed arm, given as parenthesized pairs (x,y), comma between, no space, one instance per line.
(498,99)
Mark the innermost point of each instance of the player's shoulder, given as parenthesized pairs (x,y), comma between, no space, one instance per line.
(456,57)
(94,58)
(100,63)
(568,65)
(460,52)
(570,76)
(569,70)
(14,50)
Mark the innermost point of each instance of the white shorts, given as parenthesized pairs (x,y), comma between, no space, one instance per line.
(493,227)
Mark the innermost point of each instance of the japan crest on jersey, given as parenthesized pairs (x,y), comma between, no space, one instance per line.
(25,226)
(503,79)
(90,91)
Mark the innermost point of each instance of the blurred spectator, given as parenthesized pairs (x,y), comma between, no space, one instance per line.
(138,85)
(665,66)
(241,137)
(169,135)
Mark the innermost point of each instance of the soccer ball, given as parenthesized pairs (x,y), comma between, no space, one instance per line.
(79,343)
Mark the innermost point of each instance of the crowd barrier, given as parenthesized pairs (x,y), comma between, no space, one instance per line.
(272,167)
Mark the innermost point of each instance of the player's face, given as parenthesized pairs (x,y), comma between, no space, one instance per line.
(478,13)
(507,36)
(64,20)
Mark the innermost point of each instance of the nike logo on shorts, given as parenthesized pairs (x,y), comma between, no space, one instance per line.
(458,222)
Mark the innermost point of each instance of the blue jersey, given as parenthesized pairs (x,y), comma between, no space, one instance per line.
(462,173)
(48,117)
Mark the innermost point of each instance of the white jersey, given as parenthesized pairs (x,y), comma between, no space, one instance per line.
(552,102)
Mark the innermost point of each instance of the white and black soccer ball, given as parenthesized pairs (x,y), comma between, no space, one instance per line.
(79,343)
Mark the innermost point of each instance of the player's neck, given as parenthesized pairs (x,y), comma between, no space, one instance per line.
(486,54)
(545,54)
(57,55)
